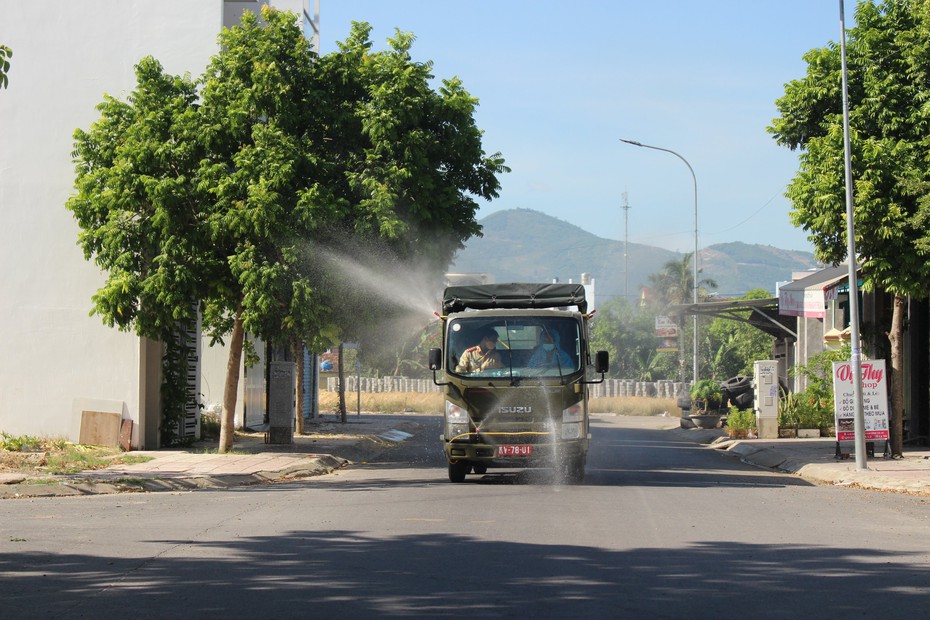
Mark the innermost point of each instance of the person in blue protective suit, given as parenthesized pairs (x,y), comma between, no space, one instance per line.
(549,354)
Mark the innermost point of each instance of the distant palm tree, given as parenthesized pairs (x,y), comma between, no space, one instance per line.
(675,285)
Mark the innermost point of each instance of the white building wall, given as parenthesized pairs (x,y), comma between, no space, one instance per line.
(57,360)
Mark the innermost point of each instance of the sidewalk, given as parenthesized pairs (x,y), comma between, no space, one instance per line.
(329,445)
(326,446)
(815,460)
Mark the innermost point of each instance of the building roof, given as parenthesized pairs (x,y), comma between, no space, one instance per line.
(763,314)
(806,297)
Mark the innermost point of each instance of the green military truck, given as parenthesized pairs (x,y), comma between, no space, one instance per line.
(516,360)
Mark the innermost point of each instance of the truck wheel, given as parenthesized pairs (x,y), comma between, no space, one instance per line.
(480,468)
(458,470)
(574,470)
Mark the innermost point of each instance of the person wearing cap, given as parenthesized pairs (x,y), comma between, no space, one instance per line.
(482,356)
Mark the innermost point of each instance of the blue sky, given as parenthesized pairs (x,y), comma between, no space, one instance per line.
(560,82)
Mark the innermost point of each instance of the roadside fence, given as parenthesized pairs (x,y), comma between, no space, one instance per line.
(609,388)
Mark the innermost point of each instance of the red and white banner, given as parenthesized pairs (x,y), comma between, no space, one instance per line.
(667,333)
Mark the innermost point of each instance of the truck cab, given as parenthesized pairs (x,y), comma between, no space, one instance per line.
(516,361)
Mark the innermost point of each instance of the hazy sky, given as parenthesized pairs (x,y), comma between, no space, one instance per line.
(560,82)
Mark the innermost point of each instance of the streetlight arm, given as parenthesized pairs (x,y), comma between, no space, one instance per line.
(659,148)
(695,258)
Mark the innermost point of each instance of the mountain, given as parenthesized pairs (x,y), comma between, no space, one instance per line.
(523,245)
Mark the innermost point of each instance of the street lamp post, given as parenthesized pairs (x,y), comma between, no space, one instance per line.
(856,353)
(694,288)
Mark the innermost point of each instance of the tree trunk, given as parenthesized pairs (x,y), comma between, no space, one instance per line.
(298,348)
(896,338)
(230,393)
(342,386)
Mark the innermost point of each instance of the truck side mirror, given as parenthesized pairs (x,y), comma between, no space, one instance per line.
(601,364)
(435,359)
(435,363)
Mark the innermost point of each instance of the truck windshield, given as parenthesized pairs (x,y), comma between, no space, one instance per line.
(514,347)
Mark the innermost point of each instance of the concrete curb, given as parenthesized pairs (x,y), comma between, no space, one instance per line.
(760,457)
(105,483)
(910,476)
(356,442)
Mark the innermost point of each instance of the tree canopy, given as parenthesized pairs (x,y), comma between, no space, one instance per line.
(674,284)
(888,60)
(627,332)
(228,192)
(729,347)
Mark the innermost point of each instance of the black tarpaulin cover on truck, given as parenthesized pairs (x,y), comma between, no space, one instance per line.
(518,295)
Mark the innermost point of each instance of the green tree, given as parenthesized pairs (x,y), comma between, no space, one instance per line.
(888,63)
(730,347)
(411,166)
(281,157)
(627,332)
(675,283)
(5,54)
(269,195)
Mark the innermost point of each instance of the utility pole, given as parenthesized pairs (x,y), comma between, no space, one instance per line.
(856,357)
(626,244)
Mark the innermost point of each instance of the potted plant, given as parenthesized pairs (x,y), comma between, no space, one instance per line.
(706,398)
(740,422)
(706,395)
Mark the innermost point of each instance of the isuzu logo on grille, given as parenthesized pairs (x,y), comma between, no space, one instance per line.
(516,410)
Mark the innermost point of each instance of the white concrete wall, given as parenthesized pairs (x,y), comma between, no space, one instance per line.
(66,55)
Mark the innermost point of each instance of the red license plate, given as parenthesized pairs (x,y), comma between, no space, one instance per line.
(514,450)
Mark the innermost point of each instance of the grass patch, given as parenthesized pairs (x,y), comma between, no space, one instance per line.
(47,482)
(200,450)
(58,456)
(29,443)
(209,425)
(131,459)
(634,405)
(432,402)
(385,402)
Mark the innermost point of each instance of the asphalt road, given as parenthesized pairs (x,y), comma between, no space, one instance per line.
(661,528)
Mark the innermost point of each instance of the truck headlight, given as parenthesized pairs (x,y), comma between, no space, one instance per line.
(571,431)
(455,414)
(575,413)
(456,422)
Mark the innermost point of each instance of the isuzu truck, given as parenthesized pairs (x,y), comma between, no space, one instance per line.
(516,363)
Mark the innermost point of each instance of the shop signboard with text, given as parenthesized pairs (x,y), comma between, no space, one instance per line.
(667,333)
(874,400)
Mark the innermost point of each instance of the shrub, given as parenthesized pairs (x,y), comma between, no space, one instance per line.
(788,410)
(807,409)
(741,420)
(818,371)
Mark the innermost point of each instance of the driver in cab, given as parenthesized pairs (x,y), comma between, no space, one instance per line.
(482,356)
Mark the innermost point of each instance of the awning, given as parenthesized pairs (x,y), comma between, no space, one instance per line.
(806,297)
(760,313)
